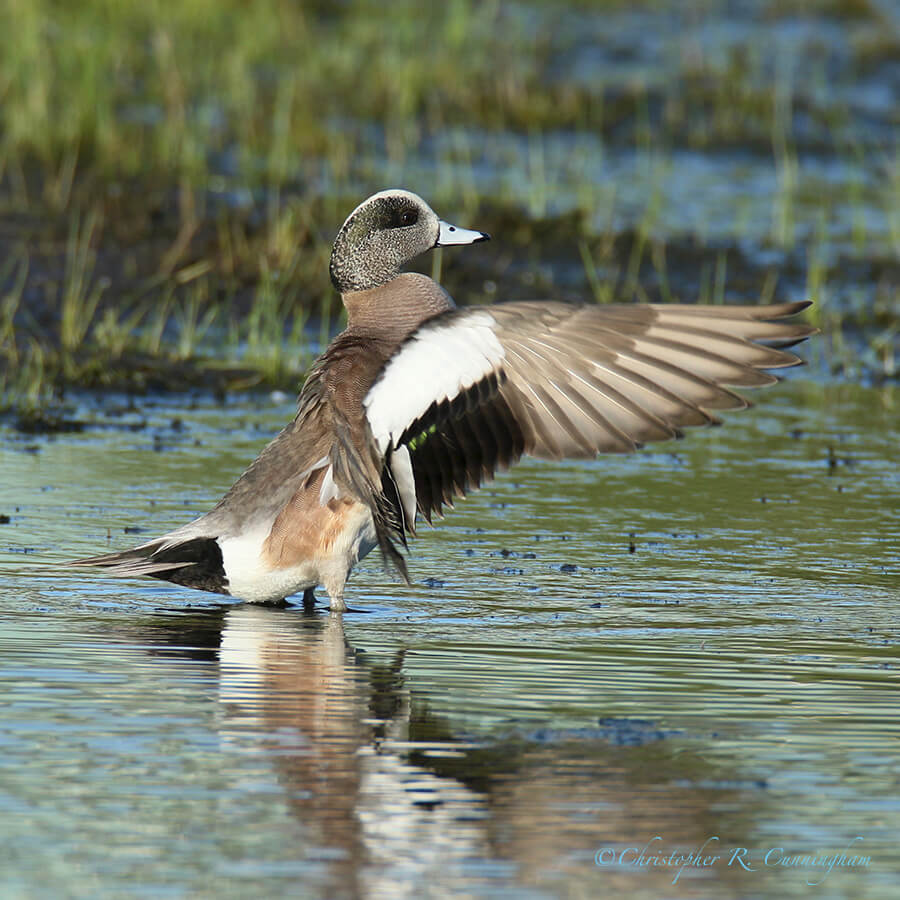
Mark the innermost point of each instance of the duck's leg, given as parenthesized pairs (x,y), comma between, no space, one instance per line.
(309,599)
(334,587)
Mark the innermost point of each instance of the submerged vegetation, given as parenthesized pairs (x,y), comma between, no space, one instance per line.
(172,174)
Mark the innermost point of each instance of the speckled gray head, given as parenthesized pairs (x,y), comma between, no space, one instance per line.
(384,233)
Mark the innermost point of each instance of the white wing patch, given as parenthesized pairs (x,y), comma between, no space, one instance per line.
(436,364)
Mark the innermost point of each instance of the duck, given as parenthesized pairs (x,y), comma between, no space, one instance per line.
(417,402)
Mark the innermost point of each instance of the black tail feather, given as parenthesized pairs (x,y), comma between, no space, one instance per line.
(194,563)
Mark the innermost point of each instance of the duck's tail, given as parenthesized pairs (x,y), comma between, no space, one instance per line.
(196,562)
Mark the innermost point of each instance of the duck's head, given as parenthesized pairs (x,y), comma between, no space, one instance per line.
(383,234)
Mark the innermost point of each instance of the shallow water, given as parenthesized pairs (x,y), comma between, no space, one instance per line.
(540,694)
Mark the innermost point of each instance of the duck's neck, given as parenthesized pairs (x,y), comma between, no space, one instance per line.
(395,309)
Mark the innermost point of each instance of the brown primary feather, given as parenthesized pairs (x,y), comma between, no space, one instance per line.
(608,378)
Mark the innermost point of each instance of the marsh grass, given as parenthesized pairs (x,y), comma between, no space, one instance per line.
(191,161)
(14,270)
(80,291)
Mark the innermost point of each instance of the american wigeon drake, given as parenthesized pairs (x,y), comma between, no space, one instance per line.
(418,402)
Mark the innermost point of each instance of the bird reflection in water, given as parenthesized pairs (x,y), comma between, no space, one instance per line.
(338,731)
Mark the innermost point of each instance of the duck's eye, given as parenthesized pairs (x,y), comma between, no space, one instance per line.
(408,217)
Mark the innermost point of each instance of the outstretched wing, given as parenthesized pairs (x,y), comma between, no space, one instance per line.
(472,390)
